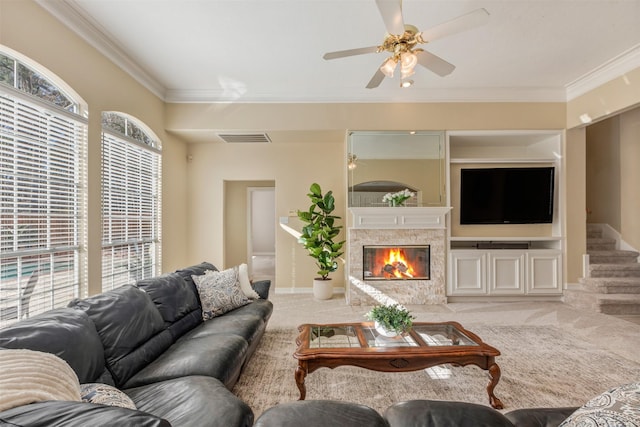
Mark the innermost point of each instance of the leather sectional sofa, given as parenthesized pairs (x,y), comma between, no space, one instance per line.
(148,340)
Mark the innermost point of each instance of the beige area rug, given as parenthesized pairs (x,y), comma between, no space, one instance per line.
(541,367)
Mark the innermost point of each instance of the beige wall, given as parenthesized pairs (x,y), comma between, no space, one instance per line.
(293,168)
(630,172)
(603,173)
(29,30)
(574,155)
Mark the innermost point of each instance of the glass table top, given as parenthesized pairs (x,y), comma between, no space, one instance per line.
(365,335)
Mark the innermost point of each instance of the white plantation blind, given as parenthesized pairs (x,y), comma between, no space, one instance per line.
(42,181)
(131,189)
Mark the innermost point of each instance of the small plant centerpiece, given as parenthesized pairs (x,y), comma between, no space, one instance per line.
(399,198)
(318,237)
(391,320)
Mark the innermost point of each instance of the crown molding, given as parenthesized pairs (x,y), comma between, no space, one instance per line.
(72,16)
(612,69)
(380,95)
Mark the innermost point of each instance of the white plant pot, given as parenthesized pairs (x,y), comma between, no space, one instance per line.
(384,332)
(322,289)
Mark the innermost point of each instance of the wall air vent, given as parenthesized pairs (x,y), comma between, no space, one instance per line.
(259,138)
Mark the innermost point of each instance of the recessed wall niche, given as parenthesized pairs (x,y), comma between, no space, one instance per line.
(381,162)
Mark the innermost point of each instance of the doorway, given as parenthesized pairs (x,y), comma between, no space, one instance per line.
(261,232)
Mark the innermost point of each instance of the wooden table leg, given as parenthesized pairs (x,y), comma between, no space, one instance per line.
(301,373)
(494,372)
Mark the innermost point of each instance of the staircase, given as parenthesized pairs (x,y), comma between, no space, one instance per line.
(613,285)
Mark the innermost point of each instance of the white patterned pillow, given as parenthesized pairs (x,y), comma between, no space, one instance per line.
(104,394)
(618,407)
(219,292)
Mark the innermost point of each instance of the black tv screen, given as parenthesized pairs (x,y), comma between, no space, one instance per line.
(507,195)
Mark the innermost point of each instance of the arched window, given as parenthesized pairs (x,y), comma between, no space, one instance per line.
(131,189)
(43,139)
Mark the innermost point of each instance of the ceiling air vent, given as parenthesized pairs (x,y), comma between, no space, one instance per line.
(244,137)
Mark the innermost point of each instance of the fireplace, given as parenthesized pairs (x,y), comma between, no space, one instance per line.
(418,231)
(403,262)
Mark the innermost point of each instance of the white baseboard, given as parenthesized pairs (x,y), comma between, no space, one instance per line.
(303,290)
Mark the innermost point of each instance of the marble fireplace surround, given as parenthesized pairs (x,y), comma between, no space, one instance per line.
(397,226)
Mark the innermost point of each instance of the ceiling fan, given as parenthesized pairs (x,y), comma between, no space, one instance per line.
(401,41)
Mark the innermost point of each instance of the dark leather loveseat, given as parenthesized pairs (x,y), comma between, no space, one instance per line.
(412,413)
(148,340)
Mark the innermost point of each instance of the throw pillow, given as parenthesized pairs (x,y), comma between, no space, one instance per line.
(619,406)
(29,376)
(103,394)
(219,292)
(245,283)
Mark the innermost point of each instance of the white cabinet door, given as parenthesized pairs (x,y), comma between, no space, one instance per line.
(544,271)
(506,272)
(468,272)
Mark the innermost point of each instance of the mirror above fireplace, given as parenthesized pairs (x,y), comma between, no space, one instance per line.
(381,162)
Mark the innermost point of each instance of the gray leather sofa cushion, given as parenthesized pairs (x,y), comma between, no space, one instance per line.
(194,401)
(247,326)
(130,328)
(218,356)
(176,301)
(77,414)
(539,417)
(174,298)
(260,307)
(320,413)
(62,332)
(437,413)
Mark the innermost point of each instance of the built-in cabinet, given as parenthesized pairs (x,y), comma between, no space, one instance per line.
(504,272)
(504,259)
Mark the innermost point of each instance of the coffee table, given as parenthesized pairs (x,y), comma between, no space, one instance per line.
(359,344)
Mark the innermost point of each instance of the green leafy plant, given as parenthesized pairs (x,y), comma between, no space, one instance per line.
(391,317)
(320,231)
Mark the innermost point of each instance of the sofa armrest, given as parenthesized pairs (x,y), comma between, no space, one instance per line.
(262,288)
(77,414)
(539,417)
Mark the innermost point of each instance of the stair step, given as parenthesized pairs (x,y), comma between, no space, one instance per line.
(611,285)
(614,270)
(613,257)
(601,244)
(594,231)
(618,304)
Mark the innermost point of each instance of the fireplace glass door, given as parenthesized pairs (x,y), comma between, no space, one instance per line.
(406,262)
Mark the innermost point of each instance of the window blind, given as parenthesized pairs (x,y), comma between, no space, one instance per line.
(131,189)
(42,180)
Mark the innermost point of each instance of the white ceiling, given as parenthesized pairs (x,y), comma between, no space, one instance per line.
(271,51)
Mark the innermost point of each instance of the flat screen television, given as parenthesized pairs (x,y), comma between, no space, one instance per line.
(522,195)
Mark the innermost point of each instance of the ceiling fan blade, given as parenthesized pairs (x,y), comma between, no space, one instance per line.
(391,12)
(350,52)
(457,25)
(434,63)
(375,81)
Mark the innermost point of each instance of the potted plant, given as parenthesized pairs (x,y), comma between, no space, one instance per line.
(391,320)
(318,238)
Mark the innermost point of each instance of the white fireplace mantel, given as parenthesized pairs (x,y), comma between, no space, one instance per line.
(400,217)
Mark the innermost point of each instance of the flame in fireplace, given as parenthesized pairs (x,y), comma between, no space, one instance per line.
(397,265)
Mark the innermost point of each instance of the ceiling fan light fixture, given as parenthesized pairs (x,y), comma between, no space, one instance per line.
(408,61)
(389,67)
(405,84)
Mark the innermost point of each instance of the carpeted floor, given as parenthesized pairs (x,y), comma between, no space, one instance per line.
(541,365)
